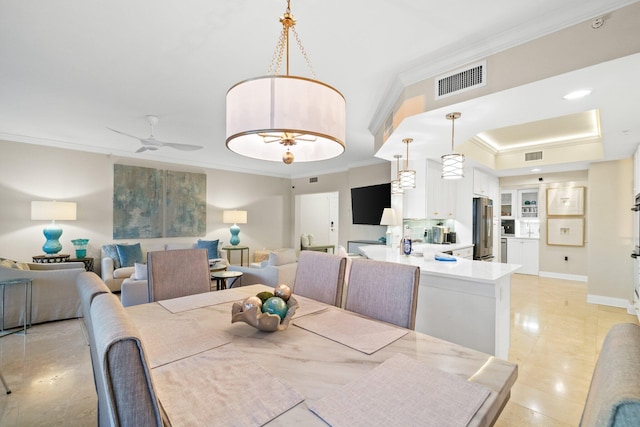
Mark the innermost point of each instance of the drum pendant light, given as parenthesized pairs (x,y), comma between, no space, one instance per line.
(453,163)
(407,177)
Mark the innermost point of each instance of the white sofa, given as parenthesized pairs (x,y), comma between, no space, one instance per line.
(53,291)
(279,268)
(114,277)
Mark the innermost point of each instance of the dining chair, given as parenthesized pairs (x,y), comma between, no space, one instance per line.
(383,290)
(89,287)
(320,276)
(177,273)
(125,382)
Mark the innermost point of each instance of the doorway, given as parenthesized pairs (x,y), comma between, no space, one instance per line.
(317,214)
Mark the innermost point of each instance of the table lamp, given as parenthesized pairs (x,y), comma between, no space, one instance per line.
(234,217)
(52,210)
(388,219)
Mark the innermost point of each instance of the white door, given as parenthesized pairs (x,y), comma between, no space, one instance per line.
(317,214)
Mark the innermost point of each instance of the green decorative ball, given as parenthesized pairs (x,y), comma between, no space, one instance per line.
(264,295)
(275,305)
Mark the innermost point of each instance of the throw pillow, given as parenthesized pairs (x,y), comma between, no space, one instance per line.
(130,254)
(9,263)
(112,252)
(211,246)
(304,240)
(140,272)
(282,258)
(312,240)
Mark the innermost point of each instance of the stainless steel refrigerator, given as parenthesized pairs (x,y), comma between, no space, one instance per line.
(482,228)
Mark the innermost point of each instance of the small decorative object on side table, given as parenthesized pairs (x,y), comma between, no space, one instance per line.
(50,259)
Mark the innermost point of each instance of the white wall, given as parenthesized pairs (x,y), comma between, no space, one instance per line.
(610,230)
(30,172)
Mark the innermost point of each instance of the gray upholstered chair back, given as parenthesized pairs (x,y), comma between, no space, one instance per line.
(386,291)
(89,286)
(614,393)
(320,276)
(177,273)
(125,386)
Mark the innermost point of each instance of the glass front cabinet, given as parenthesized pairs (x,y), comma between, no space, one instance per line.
(528,204)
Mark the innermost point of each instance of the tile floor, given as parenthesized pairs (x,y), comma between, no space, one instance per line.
(555,339)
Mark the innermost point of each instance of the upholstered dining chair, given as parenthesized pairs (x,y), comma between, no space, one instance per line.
(386,291)
(89,286)
(177,273)
(320,276)
(125,382)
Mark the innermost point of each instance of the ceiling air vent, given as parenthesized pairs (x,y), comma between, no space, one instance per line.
(534,155)
(461,80)
(314,179)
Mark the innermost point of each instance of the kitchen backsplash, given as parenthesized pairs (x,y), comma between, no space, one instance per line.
(418,226)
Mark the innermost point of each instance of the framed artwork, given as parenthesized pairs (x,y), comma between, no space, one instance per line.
(565,201)
(565,231)
(151,203)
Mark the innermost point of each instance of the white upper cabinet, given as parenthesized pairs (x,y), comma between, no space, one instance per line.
(433,197)
(508,204)
(528,204)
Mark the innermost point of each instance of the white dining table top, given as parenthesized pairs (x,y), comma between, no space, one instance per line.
(300,362)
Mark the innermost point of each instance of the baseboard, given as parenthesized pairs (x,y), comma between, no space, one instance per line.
(553,275)
(612,302)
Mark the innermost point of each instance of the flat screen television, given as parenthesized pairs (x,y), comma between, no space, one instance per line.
(367,203)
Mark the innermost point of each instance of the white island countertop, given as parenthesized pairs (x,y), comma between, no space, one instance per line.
(477,271)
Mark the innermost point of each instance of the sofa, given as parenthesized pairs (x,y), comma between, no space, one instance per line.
(53,291)
(118,260)
(279,268)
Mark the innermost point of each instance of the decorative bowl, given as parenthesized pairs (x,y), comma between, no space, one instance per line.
(263,321)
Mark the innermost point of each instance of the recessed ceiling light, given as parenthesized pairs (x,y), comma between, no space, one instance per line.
(536,170)
(577,94)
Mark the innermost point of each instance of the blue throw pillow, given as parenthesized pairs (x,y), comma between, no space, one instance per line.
(210,245)
(112,252)
(130,254)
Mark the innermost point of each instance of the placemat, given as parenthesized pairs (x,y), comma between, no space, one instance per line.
(359,333)
(402,392)
(307,306)
(221,387)
(191,302)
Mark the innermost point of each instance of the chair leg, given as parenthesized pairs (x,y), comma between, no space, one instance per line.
(4,383)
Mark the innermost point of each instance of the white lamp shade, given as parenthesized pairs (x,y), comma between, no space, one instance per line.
(278,104)
(407,179)
(234,217)
(388,217)
(52,210)
(395,187)
(453,166)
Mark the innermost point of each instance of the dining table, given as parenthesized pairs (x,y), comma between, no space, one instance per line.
(328,367)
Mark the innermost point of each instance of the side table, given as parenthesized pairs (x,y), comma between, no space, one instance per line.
(221,278)
(88,262)
(237,248)
(50,259)
(27,301)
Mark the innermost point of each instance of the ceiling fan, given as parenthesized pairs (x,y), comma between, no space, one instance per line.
(151,143)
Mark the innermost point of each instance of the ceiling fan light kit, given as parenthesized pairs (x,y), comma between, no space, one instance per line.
(453,163)
(283,117)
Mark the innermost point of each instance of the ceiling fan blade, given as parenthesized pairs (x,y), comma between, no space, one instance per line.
(183,147)
(125,134)
(141,149)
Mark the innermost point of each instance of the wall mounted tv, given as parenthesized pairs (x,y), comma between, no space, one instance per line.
(367,203)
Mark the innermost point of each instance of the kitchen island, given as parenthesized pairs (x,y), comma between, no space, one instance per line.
(466,302)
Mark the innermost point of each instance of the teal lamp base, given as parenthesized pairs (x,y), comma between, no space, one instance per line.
(235,230)
(52,246)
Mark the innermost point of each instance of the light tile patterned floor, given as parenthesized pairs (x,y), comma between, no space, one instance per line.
(555,339)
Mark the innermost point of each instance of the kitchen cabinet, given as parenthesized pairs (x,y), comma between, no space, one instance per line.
(433,197)
(524,252)
(528,204)
(508,204)
(466,252)
(485,185)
